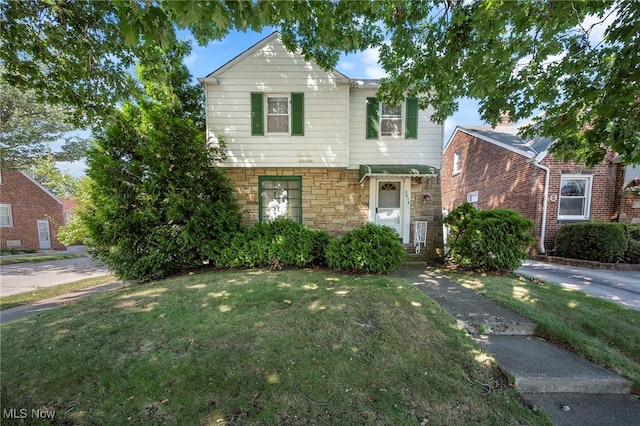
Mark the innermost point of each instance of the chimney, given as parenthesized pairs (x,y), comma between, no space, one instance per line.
(505,119)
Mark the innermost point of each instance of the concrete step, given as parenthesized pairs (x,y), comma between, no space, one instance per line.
(539,367)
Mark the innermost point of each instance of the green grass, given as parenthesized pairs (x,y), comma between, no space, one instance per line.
(601,331)
(256,347)
(36,258)
(19,299)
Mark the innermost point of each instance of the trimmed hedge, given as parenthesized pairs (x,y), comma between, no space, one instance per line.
(487,240)
(601,242)
(370,249)
(278,243)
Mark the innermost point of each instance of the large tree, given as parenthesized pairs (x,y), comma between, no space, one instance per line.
(157,203)
(29,127)
(519,57)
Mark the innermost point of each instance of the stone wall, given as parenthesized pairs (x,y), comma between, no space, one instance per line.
(334,200)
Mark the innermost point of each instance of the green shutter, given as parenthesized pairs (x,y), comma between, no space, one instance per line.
(411,122)
(257,115)
(297,114)
(372,118)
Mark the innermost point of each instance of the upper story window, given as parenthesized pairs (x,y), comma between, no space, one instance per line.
(575,197)
(385,120)
(457,161)
(390,120)
(277,114)
(6,219)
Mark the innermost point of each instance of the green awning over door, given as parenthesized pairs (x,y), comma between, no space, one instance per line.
(397,170)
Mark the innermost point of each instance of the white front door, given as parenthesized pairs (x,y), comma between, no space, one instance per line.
(388,205)
(44,235)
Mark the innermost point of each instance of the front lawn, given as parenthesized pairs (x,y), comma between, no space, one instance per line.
(599,330)
(255,347)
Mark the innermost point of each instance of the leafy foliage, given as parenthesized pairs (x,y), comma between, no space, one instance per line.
(487,240)
(520,57)
(370,249)
(278,243)
(30,126)
(601,242)
(158,204)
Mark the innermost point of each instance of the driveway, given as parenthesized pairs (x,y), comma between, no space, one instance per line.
(621,287)
(24,277)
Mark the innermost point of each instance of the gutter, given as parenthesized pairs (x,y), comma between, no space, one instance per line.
(543,227)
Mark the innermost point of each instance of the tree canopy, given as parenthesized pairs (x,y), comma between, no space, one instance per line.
(521,57)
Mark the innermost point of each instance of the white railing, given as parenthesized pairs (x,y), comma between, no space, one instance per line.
(419,235)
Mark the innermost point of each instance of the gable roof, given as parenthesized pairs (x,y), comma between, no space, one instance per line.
(507,137)
(341,78)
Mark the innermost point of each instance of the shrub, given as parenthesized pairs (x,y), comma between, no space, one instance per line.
(370,249)
(487,240)
(601,242)
(279,243)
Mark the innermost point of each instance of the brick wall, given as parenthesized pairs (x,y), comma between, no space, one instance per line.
(334,200)
(629,208)
(505,179)
(29,203)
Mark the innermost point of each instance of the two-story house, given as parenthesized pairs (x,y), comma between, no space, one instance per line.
(29,213)
(317,147)
(494,168)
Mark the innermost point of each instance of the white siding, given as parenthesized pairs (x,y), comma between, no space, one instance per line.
(426,149)
(272,69)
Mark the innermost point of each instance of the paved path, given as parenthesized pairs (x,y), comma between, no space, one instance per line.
(24,277)
(621,287)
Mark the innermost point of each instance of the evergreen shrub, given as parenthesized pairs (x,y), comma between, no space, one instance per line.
(370,249)
(601,242)
(487,240)
(279,243)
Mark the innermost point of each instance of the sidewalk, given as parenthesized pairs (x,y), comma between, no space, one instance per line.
(19,312)
(572,390)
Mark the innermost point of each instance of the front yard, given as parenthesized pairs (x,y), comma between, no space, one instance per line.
(255,347)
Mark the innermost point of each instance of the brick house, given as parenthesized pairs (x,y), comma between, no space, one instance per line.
(494,168)
(317,147)
(29,214)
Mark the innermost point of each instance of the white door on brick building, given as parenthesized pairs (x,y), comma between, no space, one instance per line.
(44,235)
(389,205)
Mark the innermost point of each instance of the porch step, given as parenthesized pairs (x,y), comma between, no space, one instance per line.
(414,261)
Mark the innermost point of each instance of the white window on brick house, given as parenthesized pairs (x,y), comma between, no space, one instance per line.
(457,161)
(6,219)
(575,197)
(280,196)
(472,198)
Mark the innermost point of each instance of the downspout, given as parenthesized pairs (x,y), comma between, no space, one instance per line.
(543,227)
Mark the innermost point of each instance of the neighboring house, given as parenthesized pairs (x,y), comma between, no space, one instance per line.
(68,209)
(315,146)
(29,214)
(494,168)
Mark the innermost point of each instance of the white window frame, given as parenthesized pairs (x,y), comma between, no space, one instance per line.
(470,198)
(9,215)
(588,179)
(457,161)
(382,117)
(267,115)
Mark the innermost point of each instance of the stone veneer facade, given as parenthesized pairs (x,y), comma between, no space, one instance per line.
(334,200)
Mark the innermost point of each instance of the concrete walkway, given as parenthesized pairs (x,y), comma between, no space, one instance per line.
(572,390)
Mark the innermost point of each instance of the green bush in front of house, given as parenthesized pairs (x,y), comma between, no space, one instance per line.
(278,243)
(601,242)
(487,240)
(370,249)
